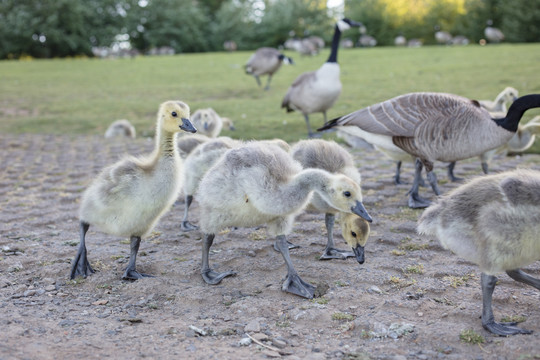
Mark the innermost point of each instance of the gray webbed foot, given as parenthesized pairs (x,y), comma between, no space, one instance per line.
(134,275)
(213,278)
(187,226)
(81,266)
(290,245)
(333,253)
(418,202)
(504,329)
(295,285)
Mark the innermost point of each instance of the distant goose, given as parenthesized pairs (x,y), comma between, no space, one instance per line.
(121,128)
(129,197)
(266,61)
(505,97)
(442,37)
(400,40)
(434,127)
(317,91)
(261,184)
(329,156)
(493,34)
(494,222)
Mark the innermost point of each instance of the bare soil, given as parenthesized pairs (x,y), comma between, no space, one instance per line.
(410,299)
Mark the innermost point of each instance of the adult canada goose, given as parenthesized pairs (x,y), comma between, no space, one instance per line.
(208,122)
(121,128)
(129,197)
(262,184)
(434,127)
(317,91)
(442,37)
(266,61)
(329,156)
(493,34)
(507,96)
(492,221)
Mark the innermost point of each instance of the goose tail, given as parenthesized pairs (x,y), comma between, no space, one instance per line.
(329,124)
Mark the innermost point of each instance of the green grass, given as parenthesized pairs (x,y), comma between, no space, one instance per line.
(84,96)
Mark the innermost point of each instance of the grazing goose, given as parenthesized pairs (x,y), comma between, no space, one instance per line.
(329,156)
(208,122)
(129,197)
(434,127)
(121,128)
(493,34)
(260,184)
(317,91)
(507,96)
(266,61)
(492,221)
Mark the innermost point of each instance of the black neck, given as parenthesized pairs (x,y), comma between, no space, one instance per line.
(335,45)
(516,111)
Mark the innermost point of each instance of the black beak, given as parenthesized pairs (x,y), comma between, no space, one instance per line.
(361,211)
(359,253)
(187,126)
(355,23)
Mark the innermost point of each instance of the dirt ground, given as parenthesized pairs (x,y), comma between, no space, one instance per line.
(410,299)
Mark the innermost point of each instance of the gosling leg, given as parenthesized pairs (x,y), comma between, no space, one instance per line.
(488,320)
(415,200)
(293,283)
(211,277)
(131,273)
(186,225)
(520,276)
(80,265)
(330,252)
(451,175)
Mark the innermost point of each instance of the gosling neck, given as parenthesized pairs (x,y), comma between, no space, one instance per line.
(165,143)
(335,45)
(516,111)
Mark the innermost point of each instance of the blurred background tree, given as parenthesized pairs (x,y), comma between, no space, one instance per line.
(58,28)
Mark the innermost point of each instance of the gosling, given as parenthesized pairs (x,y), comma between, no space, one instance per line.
(494,222)
(129,197)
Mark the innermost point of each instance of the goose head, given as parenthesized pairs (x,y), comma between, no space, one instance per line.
(355,231)
(345,195)
(346,24)
(174,116)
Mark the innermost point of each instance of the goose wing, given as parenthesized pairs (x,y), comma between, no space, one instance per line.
(301,81)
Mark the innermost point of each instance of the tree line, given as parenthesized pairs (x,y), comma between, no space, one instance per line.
(60,28)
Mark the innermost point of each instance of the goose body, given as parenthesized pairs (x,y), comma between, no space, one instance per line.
(492,221)
(260,184)
(329,156)
(434,127)
(129,197)
(121,128)
(493,34)
(266,61)
(317,91)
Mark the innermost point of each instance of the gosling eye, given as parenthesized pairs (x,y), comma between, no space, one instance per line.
(347,194)
(174,114)
(353,234)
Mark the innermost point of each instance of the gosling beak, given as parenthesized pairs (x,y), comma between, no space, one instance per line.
(187,126)
(359,253)
(205,126)
(361,211)
(232,128)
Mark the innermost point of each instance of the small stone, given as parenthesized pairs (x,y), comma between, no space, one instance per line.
(375,289)
(420,314)
(245,341)
(260,336)
(252,253)
(253,326)
(271,354)
(50,287)
(29,293)
(280,344)
(100,302)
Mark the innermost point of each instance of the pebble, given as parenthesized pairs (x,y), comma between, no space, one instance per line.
(260,336)
(29,293)
(252,253)
(271,354)
(375,289)
(245,341)
(253,326)
(50,287)
(280,344)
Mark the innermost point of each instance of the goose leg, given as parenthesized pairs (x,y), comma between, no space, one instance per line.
(330,252)
(311,134)
(485,167)
(432,178)
(397,177)
(488,321)
(80,265)
(131,273)
(289,244)
(520,276)
(267,87)
(415,200)
(210,276)
(293,283)
(258,80)
(451,175)
(186,225)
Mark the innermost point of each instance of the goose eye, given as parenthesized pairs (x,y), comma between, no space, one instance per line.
(347,194)
(174,114)
(353,234)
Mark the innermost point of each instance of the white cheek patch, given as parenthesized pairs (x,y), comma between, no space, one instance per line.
(342,25)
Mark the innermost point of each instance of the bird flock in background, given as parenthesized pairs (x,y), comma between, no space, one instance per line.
(491,221)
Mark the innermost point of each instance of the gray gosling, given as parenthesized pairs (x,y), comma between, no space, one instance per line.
(329,156)
(209,123)
(188,143)
(434,127)
(121,128)
(260,184)
(505,97)
(266,61)
(492,221)
(129,197)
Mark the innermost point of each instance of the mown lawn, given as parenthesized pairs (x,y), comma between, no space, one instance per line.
(86,95)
